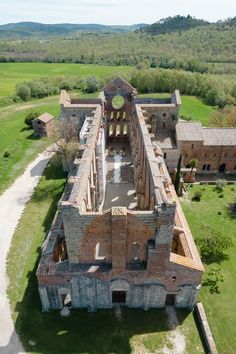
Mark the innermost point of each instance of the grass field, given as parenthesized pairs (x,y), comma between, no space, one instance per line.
(220,306)
(82,332)
(14,73)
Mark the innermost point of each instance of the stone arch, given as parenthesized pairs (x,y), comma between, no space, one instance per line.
(125,130)
(118,130)
(121,288)
(111,130)
(222,168)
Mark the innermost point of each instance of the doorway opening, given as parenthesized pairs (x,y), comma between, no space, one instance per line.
(222,168)
(118,297)
(170,299)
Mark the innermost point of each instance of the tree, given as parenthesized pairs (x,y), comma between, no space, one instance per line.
(91,84)
(30,117)
(193,164)
(66,144)
(213,245)
(23,91)
(178,175)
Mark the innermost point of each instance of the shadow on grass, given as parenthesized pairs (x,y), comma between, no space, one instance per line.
(83,332)
(216,258)
(232,210)
(26,129)
(212,280)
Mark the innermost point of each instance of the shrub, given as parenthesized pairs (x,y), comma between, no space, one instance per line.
(6,154)
(91,84)
(23,91)
(30,117)
(220,184)
(197,196)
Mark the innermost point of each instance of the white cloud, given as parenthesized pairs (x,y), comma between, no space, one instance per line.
(112,11)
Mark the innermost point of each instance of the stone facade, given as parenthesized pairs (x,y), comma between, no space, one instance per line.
(44,125)
(141,254)
(214,148)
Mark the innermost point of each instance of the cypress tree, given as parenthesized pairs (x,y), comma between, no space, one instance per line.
(178,174)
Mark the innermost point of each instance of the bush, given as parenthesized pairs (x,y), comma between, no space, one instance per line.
(30,117)
(220,184)
(6,154)
(23,91)
(197,196)
(91,84)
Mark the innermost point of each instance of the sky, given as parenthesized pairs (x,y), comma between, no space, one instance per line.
(112,11)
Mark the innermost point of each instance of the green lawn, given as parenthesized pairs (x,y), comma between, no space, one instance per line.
(18,140)
(82,332)
(192,106)
(14,73)
(220,307)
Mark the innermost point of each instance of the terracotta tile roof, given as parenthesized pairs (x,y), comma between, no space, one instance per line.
(219,136)
(189,131)
(45,117)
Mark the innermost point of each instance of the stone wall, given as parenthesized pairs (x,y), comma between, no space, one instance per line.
(214,156)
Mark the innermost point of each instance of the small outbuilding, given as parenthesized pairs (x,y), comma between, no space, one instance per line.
(43,125)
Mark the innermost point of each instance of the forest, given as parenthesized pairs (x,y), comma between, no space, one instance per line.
(192,55)
(196,46)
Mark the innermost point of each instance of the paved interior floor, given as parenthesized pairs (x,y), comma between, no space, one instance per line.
(120,190)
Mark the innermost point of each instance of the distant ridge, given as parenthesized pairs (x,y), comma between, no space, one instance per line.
(182,23)
(29,29)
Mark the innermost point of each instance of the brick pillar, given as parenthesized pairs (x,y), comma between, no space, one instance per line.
(159,255)
(119,237)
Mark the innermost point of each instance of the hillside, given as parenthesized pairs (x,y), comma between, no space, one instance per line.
(202,48)
(34,29)
(173,24)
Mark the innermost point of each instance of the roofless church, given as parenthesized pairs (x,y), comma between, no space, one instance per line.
(119,235)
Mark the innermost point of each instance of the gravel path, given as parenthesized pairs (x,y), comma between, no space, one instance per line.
(12,204)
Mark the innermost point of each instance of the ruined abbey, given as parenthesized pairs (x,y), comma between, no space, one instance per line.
(119,235)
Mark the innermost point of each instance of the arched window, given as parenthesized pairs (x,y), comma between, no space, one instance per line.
(125,130)
(135,252)
(99,252)
(118,130)
(164,125)
(204,167)
(111,130)
(112,115)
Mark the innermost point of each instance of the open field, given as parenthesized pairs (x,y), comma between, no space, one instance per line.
(136,332)
(14,73)
(220,306)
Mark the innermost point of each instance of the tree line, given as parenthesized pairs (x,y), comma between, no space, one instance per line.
(214,90)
